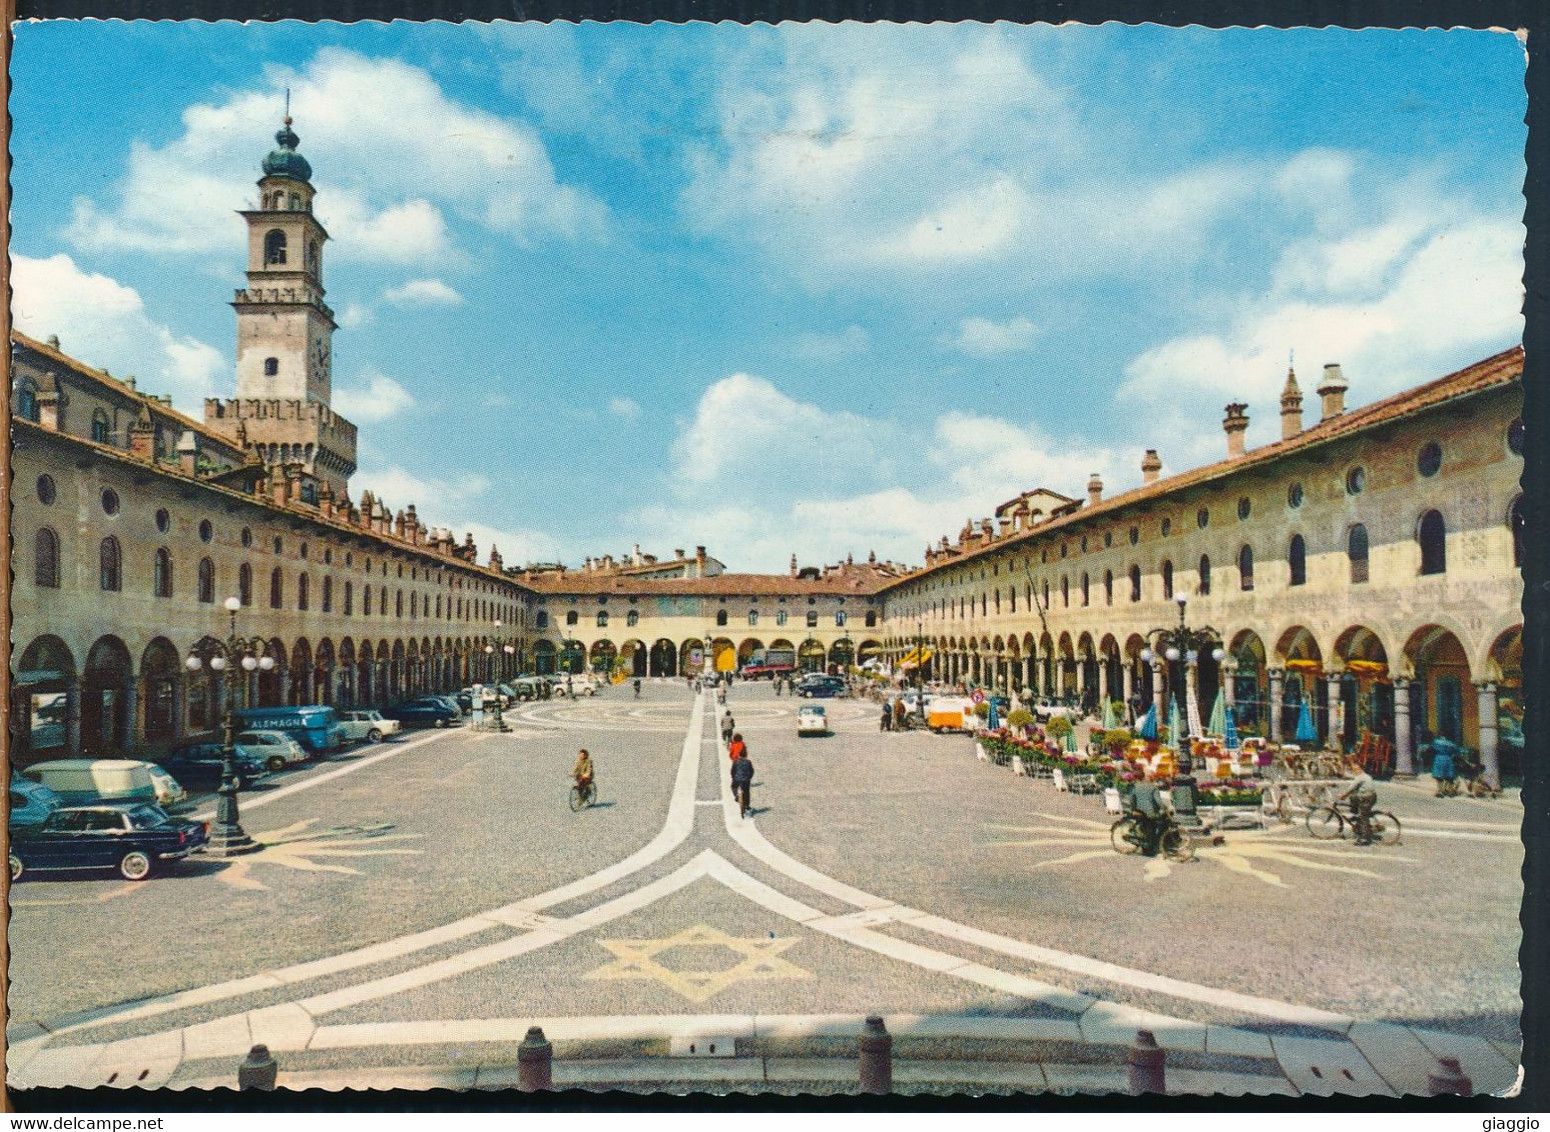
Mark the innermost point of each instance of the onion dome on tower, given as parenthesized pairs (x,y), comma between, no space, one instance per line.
(285,161)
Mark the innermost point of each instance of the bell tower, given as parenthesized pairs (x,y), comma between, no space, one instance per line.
(285,341)
(284,329)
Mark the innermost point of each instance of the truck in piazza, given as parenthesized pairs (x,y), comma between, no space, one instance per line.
(766,664)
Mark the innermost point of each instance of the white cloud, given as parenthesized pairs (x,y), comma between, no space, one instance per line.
(381,398)
(985,338)
(354,316)
(827,347)
(624,408)
(450,503)
(104,323)
(391,153)
(422,293)
(1394,305)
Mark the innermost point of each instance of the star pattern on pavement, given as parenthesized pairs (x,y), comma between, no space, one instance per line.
(1251,853)
(638,959)
(294,846)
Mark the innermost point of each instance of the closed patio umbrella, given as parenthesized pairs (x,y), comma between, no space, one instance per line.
(1174,728)
(1306,732)
(1218,715)
(1148,728)
(1231,731)
(1070,742)
(1108,714)
(993,720)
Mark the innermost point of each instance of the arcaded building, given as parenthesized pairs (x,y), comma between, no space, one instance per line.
(1365,565)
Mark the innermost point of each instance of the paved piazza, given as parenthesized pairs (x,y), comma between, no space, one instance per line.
(419,904)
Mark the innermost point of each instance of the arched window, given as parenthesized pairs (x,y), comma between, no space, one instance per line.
(1086,589)
(276,589)
(632,618)
(839,618)
(571,617)
(382,603)
(245,584)
(110,565)
(1246,568)
(349,598)
(1356,551)
(871,619)
(162,574)
(541,621)
(1432,534)
(602,619)
(206,580)
(295,202)
(312,256)
(1065,592)
(27,401)
(1203,586)
(303,592)
(328,595)
(721,617)
(1167,579)
(1297,561)
(1046,593)
(101,427)
(1515,521)
(1108,587)
(1135,583)
(812,619)
(398,604)
(45,559)
(414,604)
(366,601)
(274,247)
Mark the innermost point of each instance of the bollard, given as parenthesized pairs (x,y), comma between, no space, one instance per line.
(1448,1079)
(1147,1061)
(535,1062)
(259,1071)
(876,1057)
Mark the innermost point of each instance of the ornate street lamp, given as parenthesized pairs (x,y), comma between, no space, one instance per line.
(498,651)
(228,839)
(1186,644)
(920,671)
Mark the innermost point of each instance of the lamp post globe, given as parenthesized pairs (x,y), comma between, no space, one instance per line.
(227,838)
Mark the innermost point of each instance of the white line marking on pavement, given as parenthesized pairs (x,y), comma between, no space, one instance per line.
(308,784)
(1463,835)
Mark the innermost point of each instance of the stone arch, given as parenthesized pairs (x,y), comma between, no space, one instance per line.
(811,655)
(868,650)
(323,665)
(44,702)
(108,710)
(1366,704)
(1441,695)
(301,672)
(687,649)
(842,654)
(746,649)
(544,662)
(601,656)
(633,655)
(161,666)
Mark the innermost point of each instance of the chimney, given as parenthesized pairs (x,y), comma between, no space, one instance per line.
(1235,424)
(1151,467)
(793,565)
(678,554)
(48,409)
(53,341)
(142,436)
(495,558)
(188,452)
(635,556)
(1332,392)
(1291,406)
(326,501)
(1094,490)
(1005,524)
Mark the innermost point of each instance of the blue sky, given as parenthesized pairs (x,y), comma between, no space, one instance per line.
(809,288)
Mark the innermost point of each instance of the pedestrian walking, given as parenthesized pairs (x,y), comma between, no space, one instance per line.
(728,728)
(886,723)
(776,682)
(899,712)
(1444,763)
(742,782)
(736,748)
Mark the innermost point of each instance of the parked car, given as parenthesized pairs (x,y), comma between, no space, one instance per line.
(314,726)
(823,688)
(130,837)
(275,749)
(580,683)
(169,791)
(367,726)
(428,711)
(84,781)
(812,720)
(489,695)
(202,764)
(31,802)
(528,687)
(450,701)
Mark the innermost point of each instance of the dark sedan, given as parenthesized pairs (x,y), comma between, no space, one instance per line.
(200,765)
(822,689)
(130,837)
(427,712)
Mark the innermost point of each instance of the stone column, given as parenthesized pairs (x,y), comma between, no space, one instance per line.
(1336,712)
(285,686)
(131,713)
(1103,683)
(1157,691)
(1404,757)
(1191,688)
(1275,704)
(1127,676)
(1486,702)
(179,706)
(73,716)
(1226,672)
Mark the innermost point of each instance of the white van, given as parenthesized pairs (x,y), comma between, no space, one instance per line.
(82,781)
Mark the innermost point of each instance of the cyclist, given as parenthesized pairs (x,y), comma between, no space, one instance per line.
(582,772)
(1147,809)
(1361,797)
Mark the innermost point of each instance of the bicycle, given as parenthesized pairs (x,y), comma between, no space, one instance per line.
(1128,838)
(581,797)
(1328,823)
